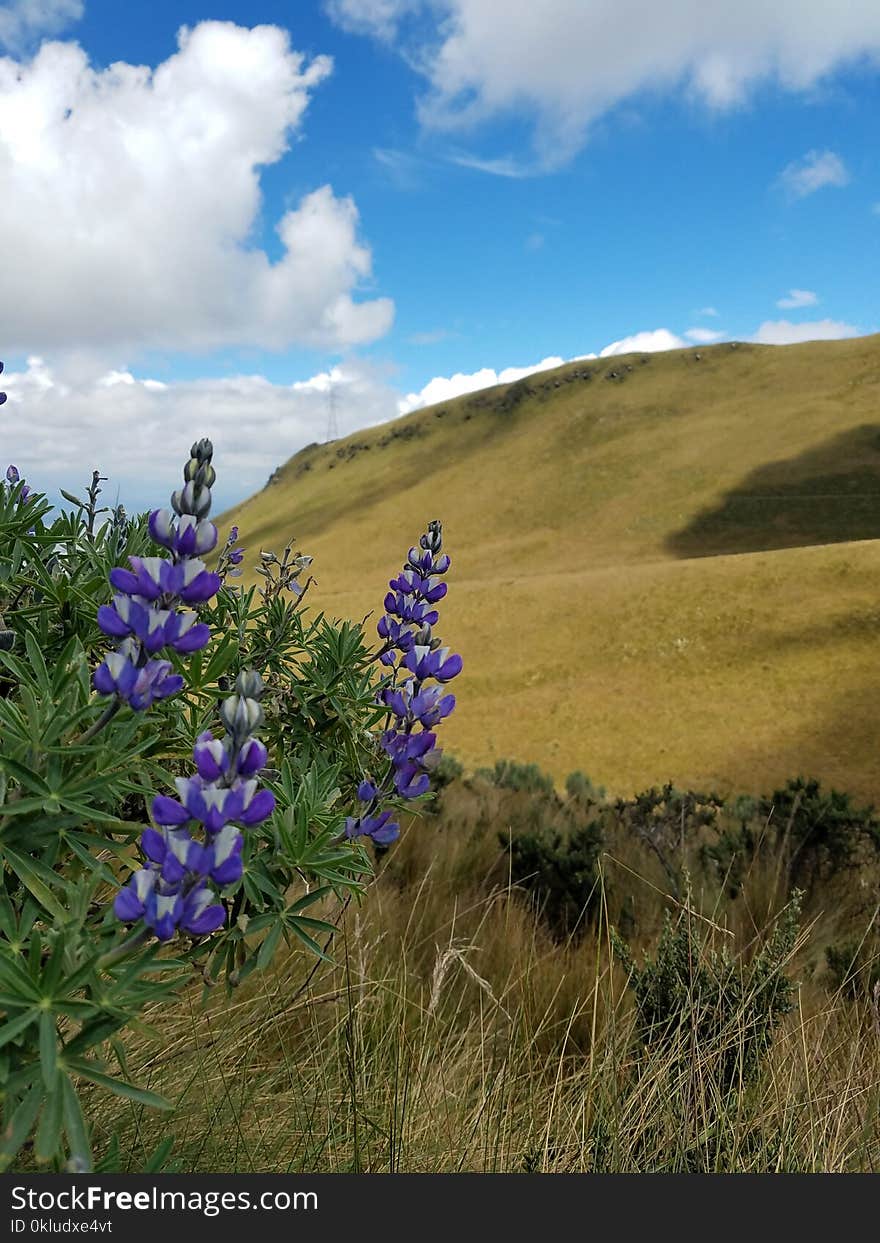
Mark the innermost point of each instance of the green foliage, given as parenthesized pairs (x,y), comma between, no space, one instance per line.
(559,870)
(579,786)
(854,967)
(76,782)
(668,820)
(812,833)
(512,775)
(820,828)
(698,1003)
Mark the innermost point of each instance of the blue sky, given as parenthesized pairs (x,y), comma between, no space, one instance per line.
(208,228)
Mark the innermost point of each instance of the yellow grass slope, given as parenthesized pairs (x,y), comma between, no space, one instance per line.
(664,566)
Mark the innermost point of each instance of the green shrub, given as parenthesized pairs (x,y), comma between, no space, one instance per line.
(669,821)
(511,775)
(559,871)
(853,967)
(824,830)
(704,1009)
(578,786)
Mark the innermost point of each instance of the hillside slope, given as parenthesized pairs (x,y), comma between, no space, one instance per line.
(664,566)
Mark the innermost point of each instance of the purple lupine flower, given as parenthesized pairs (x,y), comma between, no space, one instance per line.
(2,395)
(144,614)
(13,475)
(230,557)
(172,890)
(409,648)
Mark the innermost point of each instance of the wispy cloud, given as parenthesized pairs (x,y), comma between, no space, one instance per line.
(796,298)
(501,166)
(783,332)
(434,337)
(708,311)
(535,241)
(815,171)
(403,169)
(568,63)
(25,22)
(703,336)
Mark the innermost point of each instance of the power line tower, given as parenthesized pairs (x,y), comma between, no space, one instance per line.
(332,420)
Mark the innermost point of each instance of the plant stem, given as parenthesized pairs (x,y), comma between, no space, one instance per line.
(106,716)
(124,949)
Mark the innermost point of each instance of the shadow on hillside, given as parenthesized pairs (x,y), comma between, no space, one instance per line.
(839,748)
(827,495)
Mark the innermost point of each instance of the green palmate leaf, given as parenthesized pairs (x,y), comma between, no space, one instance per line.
(118,1087)
(269,945)
(308,941)
(308,899)
(48,1047)
(25,776)
(38,664)
(157,1159)
(19,1126)
(48,1139)
(93,864)
(222,657)
(27,872)
(12,1027)
(75,1125)
(94,1033)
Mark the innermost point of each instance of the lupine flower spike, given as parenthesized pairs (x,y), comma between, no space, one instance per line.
(231,557)
(418,703)
(144,616)
(172,891)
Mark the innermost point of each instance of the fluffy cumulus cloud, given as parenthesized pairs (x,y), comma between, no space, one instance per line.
(23,21)
(797,298)
(815,171)
(783,332)
(644,342)
(58,426)
(114,233)
(566,62)
(444,388)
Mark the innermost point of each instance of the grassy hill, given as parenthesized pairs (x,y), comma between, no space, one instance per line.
(664,566)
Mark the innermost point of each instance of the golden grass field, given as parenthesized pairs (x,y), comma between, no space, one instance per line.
(665,567)
(452,1033)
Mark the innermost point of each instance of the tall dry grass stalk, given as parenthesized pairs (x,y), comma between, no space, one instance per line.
(451,1032)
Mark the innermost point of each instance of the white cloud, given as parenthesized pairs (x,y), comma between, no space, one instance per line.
(131,196)
(783,332)
(138,431)
(708,311)
(703,336)
(24,21)
(796,298)
(645,343)
(433,337)
(499,166)
(379,18)
(565,63)
(813,172)
(444,388)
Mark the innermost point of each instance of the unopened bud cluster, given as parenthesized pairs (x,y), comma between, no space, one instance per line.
(145,615)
